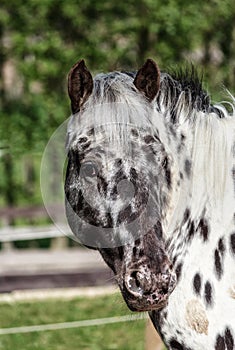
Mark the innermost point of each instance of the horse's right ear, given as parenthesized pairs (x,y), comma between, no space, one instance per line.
(80,85)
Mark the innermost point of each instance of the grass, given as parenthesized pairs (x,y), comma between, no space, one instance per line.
(120,336)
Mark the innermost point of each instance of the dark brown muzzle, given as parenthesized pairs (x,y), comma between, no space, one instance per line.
(146,290)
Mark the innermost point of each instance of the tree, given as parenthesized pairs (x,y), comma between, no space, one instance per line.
(41,39)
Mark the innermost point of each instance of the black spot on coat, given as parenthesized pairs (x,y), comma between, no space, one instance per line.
(87,145)
(233,175)
(232,242)
(208,293)
(82,139)
(220,344)
(203,229)
(221,246)
(148,139)
(197,283)
(191,231)
(167,172)
(175,345)
(186,215)
(134,132)
(229,341)
(187,167)
(178,271)
(218,264)
(158,229)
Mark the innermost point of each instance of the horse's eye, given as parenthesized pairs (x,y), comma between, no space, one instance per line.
(89,169)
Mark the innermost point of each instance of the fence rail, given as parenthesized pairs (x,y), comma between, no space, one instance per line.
(10,233)
(32,212)
(74,324)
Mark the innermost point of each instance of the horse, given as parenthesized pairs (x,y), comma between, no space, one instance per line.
(150,184)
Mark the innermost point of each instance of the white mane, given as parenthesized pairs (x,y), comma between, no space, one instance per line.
(212,158)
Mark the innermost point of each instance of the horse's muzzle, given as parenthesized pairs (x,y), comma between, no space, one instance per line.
(143,290)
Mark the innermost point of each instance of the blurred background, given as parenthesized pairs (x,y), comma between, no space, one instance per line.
(39,42)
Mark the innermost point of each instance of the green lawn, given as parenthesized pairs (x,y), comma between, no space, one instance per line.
(120,336)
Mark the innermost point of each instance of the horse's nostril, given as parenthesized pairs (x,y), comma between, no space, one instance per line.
(137,283)
(133,284)
(135,276)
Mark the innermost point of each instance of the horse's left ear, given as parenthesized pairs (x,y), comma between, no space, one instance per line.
(147,79)
(80,85)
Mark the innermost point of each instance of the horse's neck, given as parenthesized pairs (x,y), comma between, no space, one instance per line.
(208,192)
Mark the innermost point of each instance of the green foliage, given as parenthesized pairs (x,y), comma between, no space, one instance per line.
(42,39)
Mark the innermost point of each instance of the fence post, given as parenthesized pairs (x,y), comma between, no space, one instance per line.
(59,243)
(7,246)
(152,339)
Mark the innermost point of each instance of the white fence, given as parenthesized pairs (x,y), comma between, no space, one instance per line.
(9,234)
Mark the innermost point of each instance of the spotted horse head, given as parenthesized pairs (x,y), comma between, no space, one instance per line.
(118,184)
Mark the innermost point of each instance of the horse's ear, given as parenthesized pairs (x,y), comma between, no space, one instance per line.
(80,85)
(147,79)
